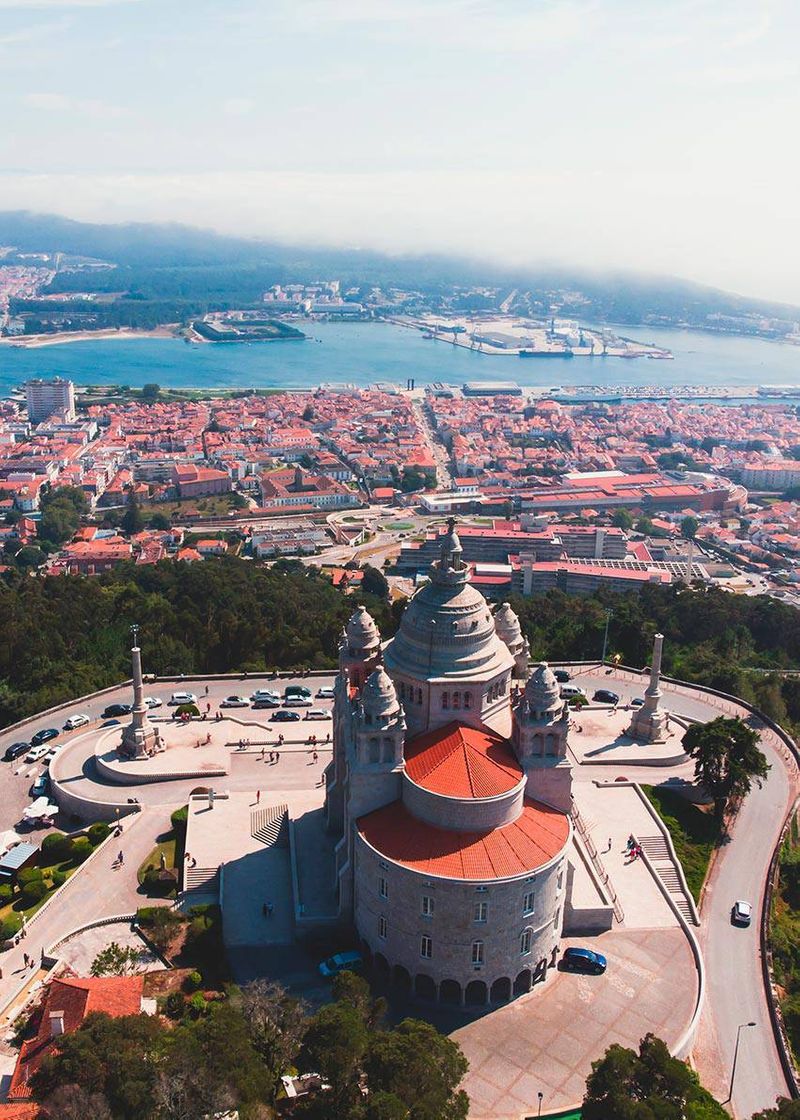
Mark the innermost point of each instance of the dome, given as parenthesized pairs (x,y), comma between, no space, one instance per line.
(542,692)
(378,697)
(362,631)
(447,631)
(507,626)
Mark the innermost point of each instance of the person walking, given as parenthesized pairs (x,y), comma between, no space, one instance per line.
(121,858)
(258,796)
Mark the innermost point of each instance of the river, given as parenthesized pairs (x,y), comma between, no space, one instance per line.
(363,353)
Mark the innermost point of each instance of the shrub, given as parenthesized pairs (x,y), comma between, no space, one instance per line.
(81,849)
(186,710)
(198,1005)
(175,1005)
(10,926)
(179,818)
(6,893)
(56,847)
(97,833)
(59,877)
(33,892)
(29,875)
(192,981)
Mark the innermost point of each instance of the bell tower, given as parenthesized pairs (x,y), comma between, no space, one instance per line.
(540,726)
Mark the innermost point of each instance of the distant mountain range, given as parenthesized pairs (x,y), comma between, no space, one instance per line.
(178,263)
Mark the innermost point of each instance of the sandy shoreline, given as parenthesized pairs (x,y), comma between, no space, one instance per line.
(36,341)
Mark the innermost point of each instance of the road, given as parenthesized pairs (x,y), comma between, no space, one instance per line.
(444,476)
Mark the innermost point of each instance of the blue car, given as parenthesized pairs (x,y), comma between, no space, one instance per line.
(584,960)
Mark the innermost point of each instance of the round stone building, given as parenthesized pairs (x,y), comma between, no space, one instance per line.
(450,792)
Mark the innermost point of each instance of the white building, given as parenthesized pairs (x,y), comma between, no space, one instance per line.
(50,398)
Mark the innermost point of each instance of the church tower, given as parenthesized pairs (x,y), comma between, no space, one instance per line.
(506,623)
(540,724)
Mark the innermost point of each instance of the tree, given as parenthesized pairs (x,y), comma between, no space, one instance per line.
(62,509)
(276,1023)
(622,519)
(151,392)
(30,556)
(239,501)
(783,1110)
(160,522)
(132,520)
(73,1102)
(644,525)
(689,527)
(374,582)
(624,1085)
(726,759)
(335,1044)
(422,1068)
(115,960)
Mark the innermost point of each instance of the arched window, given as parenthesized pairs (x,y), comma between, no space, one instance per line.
(477,952)
(445,700)
(456,699)
(419,695)
(467,699)
(388,749)
(525,941)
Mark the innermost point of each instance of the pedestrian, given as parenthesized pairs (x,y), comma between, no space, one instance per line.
(262,754)
(277,757)
(258,796)
(26,959)
(206,690)
(315,756)
(241,744)
(121,858)
(608,849)
(187,856)
(328,737)
(194,862)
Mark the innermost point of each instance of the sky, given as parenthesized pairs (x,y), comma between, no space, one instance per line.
(652,135)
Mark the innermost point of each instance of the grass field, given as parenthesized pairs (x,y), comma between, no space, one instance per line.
(694,833)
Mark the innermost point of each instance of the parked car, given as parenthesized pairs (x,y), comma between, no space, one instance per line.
(584,960)
(284,717)
(325,693)
(51,754)
(41,786)
(296,690)
(741,913)
(637,701)
(36,753)
(266,702)
(562,676)
(265,694)
(317,713)
(114,710)
(235,702)
(178,698)
(297,701)
(79,720)
(341,962)
(605,696)
(568,691)
(153,701)
(44,736)
(15,750)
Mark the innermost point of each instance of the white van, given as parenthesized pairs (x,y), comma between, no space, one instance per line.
(568,691)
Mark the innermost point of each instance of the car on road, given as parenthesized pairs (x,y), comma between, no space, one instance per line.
(35,754)
(350,961)
(325,693)
(584,960)
(52,753)
(605,696)
(741,913)
(266,702)
(44,736)
(637,701)
(299,690)
(235,702)
(317,713)
(570,691)
(284,717)
(15,750)
(265,694)
(41,787)
(178,698)
(114,710)
(297,701)
(562,676)
(153,701)
(79,720)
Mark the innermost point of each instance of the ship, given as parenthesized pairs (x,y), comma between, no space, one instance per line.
(545,354)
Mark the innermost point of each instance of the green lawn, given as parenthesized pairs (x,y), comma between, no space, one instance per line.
(694,833)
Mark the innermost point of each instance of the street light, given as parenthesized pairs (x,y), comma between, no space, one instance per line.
(735,1056)
(605,637)
(541,1097)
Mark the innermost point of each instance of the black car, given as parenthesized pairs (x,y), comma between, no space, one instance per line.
(44,736)
(284,717)
(562,676)
(117,710)
(15,750)
(584,960)
(265,703)
(605,696)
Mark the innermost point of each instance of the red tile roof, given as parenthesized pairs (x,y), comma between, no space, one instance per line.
(529,842)
(75,998)
(460,761)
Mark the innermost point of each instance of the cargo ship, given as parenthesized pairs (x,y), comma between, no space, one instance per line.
(545,354)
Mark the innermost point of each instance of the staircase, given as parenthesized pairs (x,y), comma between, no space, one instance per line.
(200,881)
(656,850)
(270,825)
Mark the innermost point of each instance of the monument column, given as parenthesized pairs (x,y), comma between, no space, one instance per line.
(650,721)
(140,738)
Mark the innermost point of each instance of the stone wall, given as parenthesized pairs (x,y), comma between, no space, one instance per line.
(469,814)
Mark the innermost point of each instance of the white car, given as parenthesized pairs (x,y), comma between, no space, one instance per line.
(51,754)
(235,702)
(35,753)
(317,713)
(568,691)
(265,694)
(153,701)
(741,913)
(182,698)
(325,693)
(296,702)
(79,720)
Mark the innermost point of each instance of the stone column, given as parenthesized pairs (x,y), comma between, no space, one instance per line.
(650,721)
(140,738)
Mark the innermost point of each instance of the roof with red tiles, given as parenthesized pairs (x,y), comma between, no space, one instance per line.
(529,842)
(75,998)
(461,761)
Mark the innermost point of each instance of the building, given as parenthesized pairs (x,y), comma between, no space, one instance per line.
(50,398)
(199,482)
(450,792)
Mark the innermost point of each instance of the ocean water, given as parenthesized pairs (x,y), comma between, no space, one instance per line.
(363,353)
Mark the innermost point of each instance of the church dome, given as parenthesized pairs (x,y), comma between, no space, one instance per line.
(362,631)
(542,692)
(507,626)
(378,697)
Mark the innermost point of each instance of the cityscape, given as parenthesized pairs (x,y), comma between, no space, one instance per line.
(399,560)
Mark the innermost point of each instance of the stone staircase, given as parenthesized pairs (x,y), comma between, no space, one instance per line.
(656,850)
(200,882)
(270,825)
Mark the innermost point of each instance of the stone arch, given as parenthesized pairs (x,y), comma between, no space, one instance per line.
(500,991)
(450,992)
(475,993)
(401,978)
(550,743)
(424,986)
(522,984)
(381,965)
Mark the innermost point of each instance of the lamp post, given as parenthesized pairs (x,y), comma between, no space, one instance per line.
(605,637)
(540,1095)
(735,1056)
